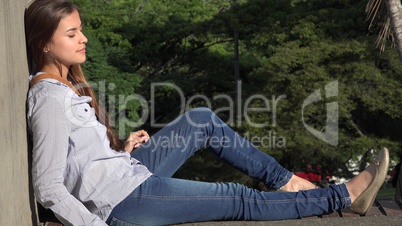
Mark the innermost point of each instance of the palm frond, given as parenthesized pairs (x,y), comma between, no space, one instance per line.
(379,20)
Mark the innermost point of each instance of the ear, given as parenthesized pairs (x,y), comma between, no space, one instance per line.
(46,50)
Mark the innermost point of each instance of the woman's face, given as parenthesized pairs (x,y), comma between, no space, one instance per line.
(68,42)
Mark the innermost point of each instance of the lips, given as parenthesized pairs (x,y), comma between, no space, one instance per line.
(83,50)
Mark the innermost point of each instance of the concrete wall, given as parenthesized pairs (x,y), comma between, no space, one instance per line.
(15,198)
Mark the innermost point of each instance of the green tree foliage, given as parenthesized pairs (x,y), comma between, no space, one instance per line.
(106,68)
(288,50)
(308,45)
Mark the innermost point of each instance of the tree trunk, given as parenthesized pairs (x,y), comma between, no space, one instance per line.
(394,9)
(395,14)
(398,191)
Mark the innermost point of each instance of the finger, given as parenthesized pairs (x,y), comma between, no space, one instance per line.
(144,138)
(142,135)
(146,135)
(140,132)
(135,140)
(134,135)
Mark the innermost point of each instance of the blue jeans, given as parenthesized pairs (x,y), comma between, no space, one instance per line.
(162,200)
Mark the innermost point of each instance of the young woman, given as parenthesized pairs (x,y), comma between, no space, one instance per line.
(87,177)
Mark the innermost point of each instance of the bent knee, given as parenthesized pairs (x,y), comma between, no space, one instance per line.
(201,115)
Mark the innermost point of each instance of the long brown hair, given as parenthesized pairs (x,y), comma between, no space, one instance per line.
(41,21)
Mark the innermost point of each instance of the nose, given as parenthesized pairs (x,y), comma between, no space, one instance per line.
(83,38)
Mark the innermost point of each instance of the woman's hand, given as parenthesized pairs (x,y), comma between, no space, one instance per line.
(135,140)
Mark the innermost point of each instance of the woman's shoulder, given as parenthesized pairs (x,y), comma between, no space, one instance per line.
(53,89)
(49,88)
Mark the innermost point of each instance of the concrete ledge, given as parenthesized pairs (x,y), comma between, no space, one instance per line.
(383,212)
(344,221)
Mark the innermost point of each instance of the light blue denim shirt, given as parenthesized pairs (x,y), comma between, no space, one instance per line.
(75,172)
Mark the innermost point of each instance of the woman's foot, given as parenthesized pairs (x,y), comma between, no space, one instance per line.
(359,183)
(364,187)
(296,184)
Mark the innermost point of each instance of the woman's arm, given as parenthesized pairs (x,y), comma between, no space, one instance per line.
(50,128)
